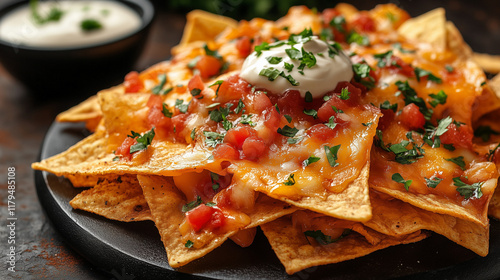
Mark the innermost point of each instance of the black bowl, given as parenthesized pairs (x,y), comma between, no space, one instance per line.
(48,71)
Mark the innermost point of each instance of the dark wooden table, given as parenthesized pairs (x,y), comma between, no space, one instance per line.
(41,251)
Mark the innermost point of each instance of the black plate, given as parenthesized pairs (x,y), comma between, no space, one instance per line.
(135,248)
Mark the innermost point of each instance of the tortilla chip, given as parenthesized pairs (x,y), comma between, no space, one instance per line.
(455,41)
(165,202)
(489,63)
(394,217)
(351,204)
(204,26)
(429,28)
(120,200)
(296,252)
(88,111)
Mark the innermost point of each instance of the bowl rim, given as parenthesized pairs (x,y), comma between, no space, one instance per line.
(147,15)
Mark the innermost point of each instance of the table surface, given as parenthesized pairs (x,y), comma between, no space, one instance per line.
(24,120)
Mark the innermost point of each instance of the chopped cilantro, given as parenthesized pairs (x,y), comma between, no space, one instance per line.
(396,177)
(458,161)
(338,23)
(400,48)
(345,94)
(385,59)
(410,96)
(179,104)
(193,134)
(264,46)
(189,244)
(288,66)
(90,24)
(218,84)
(274,59)
(166,112)
(293,53)
(191,205)
(311,112)
(466,190)
(331,122)
(438,98)
(288,131)
(485,132)
(354,37)
(271,73)
(311,159)
(143,141)
(419,73)
(210,52)
(290,180)
(388,106)
(213,138)
(246,119)
(288,118)
(239,107)
(331,155)
(362,75)
(323,239)
(449,68)
(54,14)
(308,97)
(162,78)
(432,182)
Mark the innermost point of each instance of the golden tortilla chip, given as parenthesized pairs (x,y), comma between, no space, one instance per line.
(394,217)
(166,201)
(120,200)
(296,252)
(204,26)
(490,63)
(353,203)
(429,27)
(494,206)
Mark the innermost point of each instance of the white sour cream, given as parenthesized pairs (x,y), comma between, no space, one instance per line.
(318,80)
(18,27)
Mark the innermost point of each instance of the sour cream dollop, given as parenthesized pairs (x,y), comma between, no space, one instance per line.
(331,66)
(19,26)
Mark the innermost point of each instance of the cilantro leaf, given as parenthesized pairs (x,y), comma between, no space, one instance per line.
(331,122)
(485,132)
(466,190)
(290,180)
(419,73)
(438,98)
(213,138)
(166,112)
(288,131)
(332,155)
(458,161)
(311,159)
(143,141)
(179,104)
(191,205)
(274,59)
(432,182)
(271,73)
(345,94)
(162,78)
(396,177)
(189,244)
(311,112)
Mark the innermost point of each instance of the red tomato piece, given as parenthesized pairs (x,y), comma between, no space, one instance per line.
(386,119)
(157,119)
(254,147)
(196,82)
(124,150)
(132,82)
(354,93)
(322,132)
(411,117)
(233,88)
(155,101)
(199,216)
(179,122)
(397,65)
(218,219)
(291,103)
(244,46)
(364,22)
(326,110)
(458,136)
(208,66)
(225,151)
(257,102)
(238,135)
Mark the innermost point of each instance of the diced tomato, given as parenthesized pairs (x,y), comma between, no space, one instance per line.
(329,14)
(155,101)
(132,82)
(179,122)
(208,66)
(322,132)
(291,103)
(271,118)
(157,119)
(397,65)
(238,135)
(364,22)
(233,88)
(195,82)
(411,117)
(244,46)
(253,147)
(386,119)
(257,102)
(458,136)
(354,96)
(225,151)
(326,110)
(199,216)
(218,219)
(124,150)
